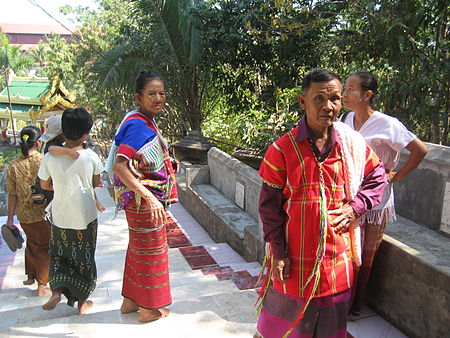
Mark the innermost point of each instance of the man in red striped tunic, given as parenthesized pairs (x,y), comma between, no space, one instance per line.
(317,180)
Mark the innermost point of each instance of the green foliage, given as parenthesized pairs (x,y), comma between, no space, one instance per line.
(406,44)
(12,59)
(233,68)
(165,39)
(255,129)
(7,154)
(267,46)
(72,61)
(40,55)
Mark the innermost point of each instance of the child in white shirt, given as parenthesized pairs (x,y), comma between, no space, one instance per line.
(73,214)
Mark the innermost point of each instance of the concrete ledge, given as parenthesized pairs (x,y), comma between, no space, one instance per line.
(427,188)
(226,172)
(221,218)
(410,281)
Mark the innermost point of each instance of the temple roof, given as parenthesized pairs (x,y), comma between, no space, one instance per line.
(35,98)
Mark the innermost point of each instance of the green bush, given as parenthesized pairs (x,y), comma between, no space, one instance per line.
(7,154)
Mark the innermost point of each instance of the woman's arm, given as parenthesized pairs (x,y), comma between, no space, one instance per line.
(417,151)
(12,204)
(123,172)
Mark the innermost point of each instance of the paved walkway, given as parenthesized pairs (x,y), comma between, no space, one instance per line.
(212,288)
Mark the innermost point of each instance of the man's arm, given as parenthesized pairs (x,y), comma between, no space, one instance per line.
(371,191)
(369,194)
(272,216)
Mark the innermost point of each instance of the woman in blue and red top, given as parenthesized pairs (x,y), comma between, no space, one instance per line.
(144,185)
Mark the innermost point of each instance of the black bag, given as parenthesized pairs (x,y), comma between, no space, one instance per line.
(39,195)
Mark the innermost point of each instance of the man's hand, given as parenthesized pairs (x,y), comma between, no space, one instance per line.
(281,268)
(342,222)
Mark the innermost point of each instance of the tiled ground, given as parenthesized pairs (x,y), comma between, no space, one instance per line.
(217,259)
(212,288)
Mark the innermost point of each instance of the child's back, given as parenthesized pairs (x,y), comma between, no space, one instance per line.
(73,205)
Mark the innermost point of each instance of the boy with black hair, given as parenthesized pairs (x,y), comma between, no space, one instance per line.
(73,214)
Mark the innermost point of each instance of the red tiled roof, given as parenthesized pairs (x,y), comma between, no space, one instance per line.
(34,29)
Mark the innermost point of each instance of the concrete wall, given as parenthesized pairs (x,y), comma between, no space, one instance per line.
(226,172)
(424,196)
(427,188)
(410,293)
(223,197)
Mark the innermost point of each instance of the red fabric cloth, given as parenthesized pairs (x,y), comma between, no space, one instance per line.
(291,166)
(146,275)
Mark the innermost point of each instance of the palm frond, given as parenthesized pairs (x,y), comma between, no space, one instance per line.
(118,67)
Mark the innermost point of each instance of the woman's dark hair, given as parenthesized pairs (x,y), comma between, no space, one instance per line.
(368,82)
(28,137)
(75,123)
(144,77)
(318,75)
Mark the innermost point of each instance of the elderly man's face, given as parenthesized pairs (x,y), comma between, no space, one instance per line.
(322,103)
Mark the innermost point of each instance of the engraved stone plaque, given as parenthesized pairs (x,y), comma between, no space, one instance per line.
(239,196)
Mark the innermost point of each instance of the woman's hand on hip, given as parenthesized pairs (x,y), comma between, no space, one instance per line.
(158,214)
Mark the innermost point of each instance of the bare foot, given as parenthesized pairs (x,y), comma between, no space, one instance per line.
(257,335)
(83,307)
(43,290)
(52,302)
(148,315)
(29,281)
(128,306)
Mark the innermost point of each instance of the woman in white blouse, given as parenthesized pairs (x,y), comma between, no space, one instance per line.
(387,136)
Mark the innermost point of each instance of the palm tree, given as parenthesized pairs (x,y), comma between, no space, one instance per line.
(40,54)
(169,42)
(11,60)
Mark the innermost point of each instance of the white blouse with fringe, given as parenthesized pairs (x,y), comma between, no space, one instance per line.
(387,136)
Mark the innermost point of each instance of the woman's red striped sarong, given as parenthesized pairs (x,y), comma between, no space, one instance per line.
(146,275)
